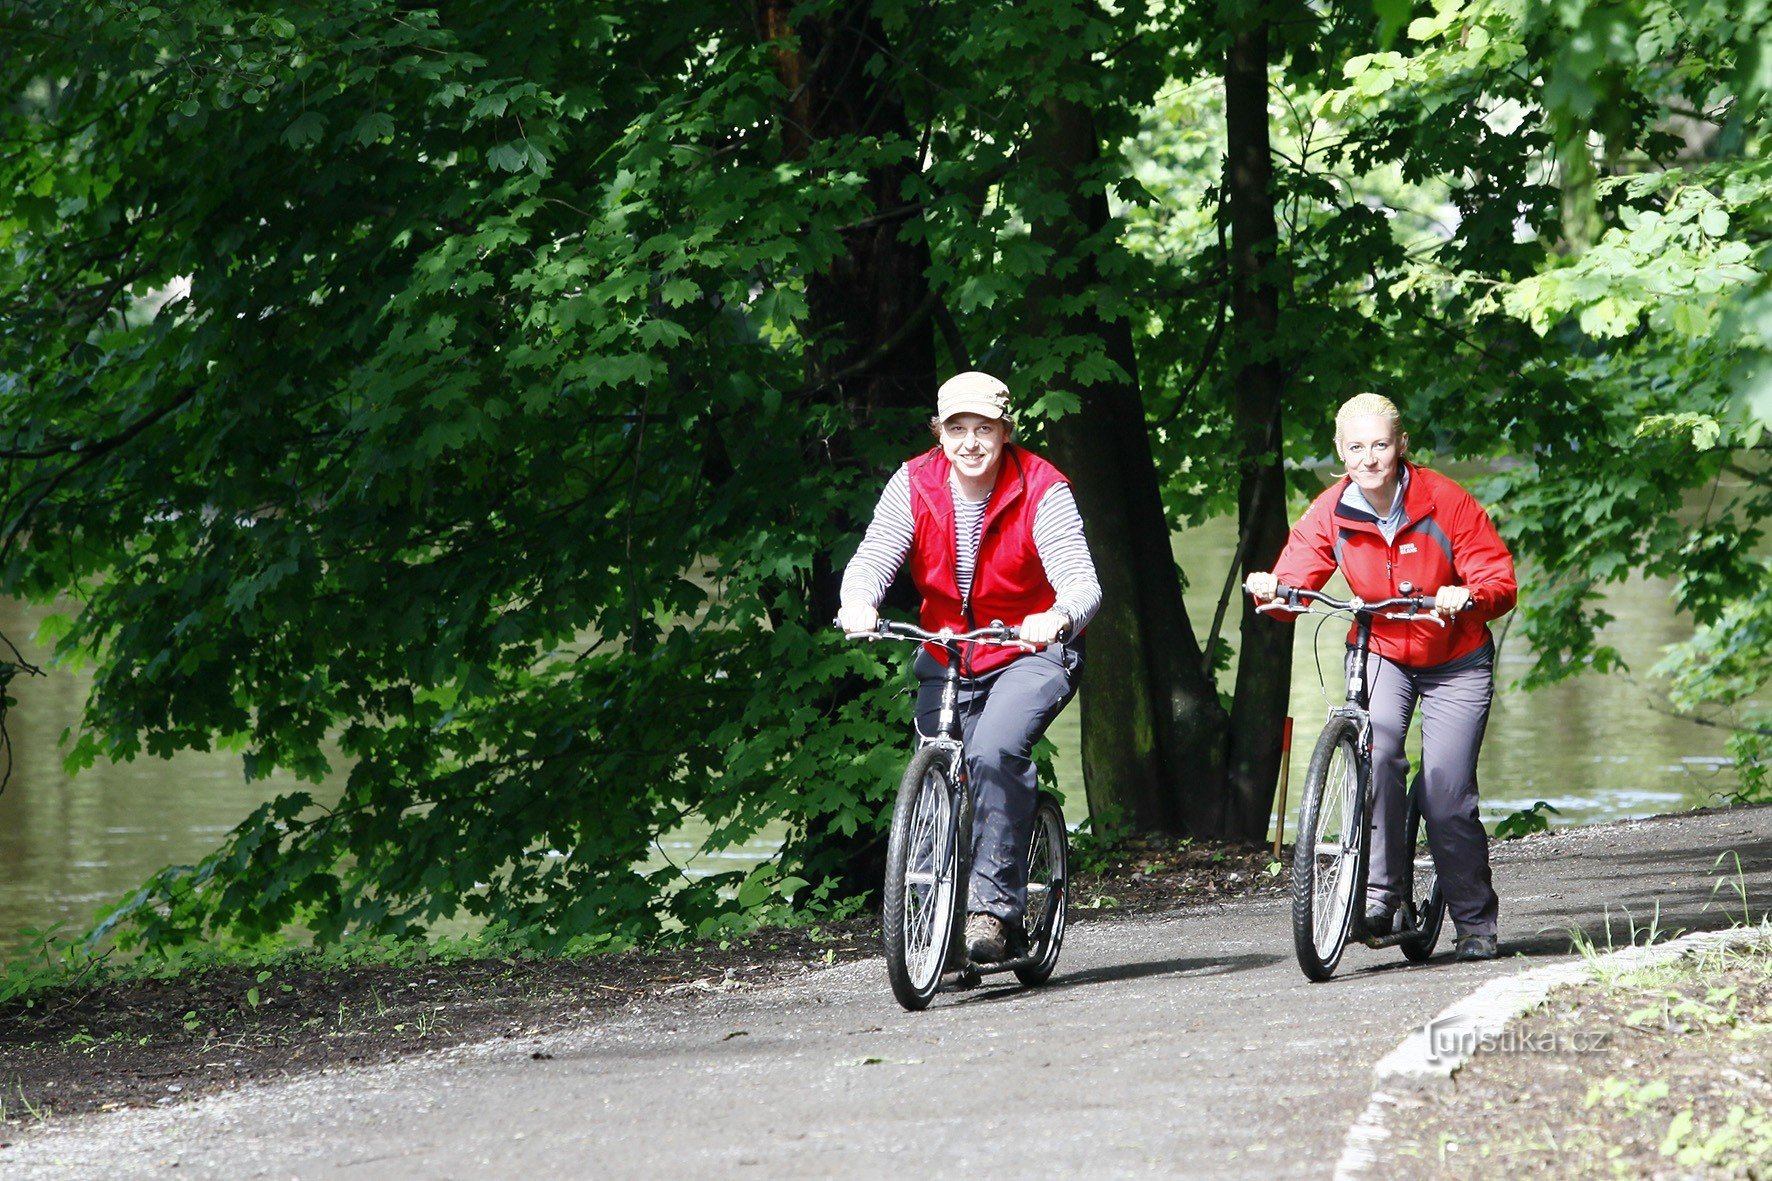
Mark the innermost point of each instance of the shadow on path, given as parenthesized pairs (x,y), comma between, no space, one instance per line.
(1002,988)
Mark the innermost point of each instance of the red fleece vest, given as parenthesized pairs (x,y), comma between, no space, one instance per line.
(1009,582)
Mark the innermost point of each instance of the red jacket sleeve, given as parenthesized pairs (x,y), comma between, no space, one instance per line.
(1484,563)
(1308,559)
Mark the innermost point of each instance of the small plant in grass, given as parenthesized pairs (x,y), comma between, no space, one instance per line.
(1098,846)
(1631,1096)
(28,1109)
(1640,936)
(1736,885)
(1526,821)
(1741,1143)
(47,960)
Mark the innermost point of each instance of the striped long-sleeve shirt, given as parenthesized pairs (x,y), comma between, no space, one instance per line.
(1058,539)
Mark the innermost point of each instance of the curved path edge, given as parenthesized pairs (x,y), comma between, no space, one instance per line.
(1431,1054)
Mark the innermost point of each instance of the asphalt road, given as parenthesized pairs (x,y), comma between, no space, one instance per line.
(1187,1046)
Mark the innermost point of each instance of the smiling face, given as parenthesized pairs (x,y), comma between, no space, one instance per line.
(1371,447)
(974,445)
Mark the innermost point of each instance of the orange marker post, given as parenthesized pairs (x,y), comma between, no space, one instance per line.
(1285,769)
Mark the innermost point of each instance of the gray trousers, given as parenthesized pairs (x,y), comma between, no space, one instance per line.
(1454,700)
(1002,714)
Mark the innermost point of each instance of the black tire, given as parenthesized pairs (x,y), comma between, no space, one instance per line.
(924,896)
(962,875)
(1422,888)
(1329,859)
(1049,864)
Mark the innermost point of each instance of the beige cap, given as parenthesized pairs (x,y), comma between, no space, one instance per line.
(972,393)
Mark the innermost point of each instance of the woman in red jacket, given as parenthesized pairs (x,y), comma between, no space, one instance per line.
(1387,523)
(990,532)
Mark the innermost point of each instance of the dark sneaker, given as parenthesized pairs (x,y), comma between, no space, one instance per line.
(1476,947)
(1381,918)
(986,941)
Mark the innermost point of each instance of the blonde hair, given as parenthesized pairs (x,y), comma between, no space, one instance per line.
(1363,404)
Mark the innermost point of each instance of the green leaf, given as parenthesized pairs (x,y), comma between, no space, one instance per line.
(510,156)
(307,129)
(655,332)
(372,127)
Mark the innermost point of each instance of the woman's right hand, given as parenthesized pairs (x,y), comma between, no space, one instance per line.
(1262,586)
(857,618)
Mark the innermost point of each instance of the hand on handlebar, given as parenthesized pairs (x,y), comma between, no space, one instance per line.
(1043,627)
(1261,586)
(1450,600)
(858,619)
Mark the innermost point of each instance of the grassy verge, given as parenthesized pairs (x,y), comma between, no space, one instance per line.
(156,1033)
(1660,1072)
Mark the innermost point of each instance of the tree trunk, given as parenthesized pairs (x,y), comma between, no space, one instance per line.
(1152,725)
(1264,662)
(869,313)
(872,345)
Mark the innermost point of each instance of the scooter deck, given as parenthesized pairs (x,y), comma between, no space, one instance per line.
(1359,934)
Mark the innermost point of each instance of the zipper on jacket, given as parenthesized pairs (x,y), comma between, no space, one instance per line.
(971,624)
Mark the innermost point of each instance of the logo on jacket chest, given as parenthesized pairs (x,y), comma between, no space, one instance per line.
(1408,547)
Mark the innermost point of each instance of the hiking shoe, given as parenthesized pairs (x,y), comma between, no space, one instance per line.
(986,941)
(1381,918)
(1476,947)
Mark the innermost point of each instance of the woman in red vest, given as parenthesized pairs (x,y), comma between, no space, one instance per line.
(992,533)
(1386,523)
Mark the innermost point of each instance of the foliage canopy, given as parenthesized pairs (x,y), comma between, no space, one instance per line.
(433,396)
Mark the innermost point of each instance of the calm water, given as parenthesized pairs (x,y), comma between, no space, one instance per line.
(1596,749)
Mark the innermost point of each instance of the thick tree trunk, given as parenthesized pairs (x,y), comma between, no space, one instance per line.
(869,312)
(1264,662)
(1152,725)
(873,349)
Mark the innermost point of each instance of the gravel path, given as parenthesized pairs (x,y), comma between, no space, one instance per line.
(1188,1045)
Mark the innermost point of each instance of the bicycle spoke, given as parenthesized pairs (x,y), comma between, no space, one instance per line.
(1335,855)
(1039,871)
(929,868)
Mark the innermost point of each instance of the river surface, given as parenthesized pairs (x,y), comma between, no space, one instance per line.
(1596,748)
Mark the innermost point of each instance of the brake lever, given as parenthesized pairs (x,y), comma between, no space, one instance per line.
(1435,616)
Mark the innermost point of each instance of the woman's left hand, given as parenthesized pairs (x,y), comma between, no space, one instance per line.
(1450,600)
